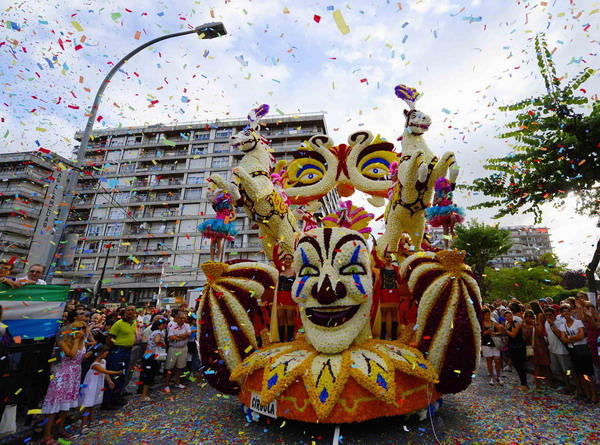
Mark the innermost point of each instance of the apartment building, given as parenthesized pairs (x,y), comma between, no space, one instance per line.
(31,185)
(528,244)
(144,194)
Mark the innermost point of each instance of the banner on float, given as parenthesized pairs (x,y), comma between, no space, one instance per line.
(33,311)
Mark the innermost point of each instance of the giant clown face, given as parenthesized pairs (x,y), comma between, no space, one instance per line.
(333,288)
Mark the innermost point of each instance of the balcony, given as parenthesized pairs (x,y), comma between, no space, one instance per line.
(86,187)
(158,155)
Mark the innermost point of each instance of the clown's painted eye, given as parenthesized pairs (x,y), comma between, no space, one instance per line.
(309,271)
(353,269)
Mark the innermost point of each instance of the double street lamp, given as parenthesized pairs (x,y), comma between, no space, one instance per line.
(205,31)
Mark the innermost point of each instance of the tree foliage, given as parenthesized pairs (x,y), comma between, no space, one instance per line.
(556,149)
(573,279)
(530,282)
(482,243)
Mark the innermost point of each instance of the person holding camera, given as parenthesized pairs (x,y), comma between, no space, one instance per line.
(516,347)
(491,342)
(573,335)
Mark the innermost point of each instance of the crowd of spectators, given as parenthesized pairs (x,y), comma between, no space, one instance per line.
(560,342)
(97,353)
(101,351)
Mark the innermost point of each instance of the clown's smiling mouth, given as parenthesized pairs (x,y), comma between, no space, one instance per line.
(331,316)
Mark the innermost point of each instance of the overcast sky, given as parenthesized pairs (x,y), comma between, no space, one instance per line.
(466,59)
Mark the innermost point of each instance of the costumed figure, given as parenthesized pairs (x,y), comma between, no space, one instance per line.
(443,212)
(254,187)
(221,227)
(308,219)
(284,312)
(394,307)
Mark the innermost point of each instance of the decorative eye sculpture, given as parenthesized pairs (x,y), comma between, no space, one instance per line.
(311,174)
(363,164)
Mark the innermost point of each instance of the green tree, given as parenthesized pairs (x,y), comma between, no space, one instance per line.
(555,151)
(482,243)
(530,281)
(525,284)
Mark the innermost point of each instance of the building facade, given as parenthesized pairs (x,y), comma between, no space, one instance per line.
(528,244)
(144,194)
(30,189)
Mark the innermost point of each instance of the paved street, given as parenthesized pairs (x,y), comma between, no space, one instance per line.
(480,415)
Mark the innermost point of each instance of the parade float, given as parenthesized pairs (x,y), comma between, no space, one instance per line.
(335,371)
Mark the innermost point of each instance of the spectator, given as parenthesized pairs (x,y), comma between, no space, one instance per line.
(5,340)
(33,276)
(178,333)
(560,361)
(516,347)
(63,392)
(155,353)
(591,322)
(517,312)
(93,385)
(121,339)
(193,359)
(573,335)
(491,329)
(534,336)
(5,275)
(136,351)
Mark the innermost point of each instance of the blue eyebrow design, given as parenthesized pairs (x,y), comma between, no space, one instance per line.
(355,254)
(305,261)
(358,284)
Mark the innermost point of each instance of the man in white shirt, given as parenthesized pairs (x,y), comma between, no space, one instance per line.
(560,361)
(33,276)
(178,334)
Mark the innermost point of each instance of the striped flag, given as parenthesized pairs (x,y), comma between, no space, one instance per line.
(33,311)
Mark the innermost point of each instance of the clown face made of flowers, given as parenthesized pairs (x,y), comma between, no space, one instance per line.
(337,372)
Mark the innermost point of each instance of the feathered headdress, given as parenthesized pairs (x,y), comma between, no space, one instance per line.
(350,217)
(407,94)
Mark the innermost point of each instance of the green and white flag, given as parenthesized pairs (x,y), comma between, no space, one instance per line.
(33,311)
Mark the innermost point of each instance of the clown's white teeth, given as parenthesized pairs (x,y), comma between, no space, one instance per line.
(326,309)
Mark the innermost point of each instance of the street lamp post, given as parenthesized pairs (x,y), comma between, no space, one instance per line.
(98,286)
(205,31)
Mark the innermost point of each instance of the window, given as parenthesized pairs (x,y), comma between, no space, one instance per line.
(119,197)
(220,161)
(87,263)
(99,213)
(186,260)
(191,210)
(95,229)
(188,226)
(113,229)
(193,194)
(200,149)
(127,168)
(221,147)
(117,142)
(202,135)
(223,134)
(195,179)
(197,163)
(113,155)
(117,214)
